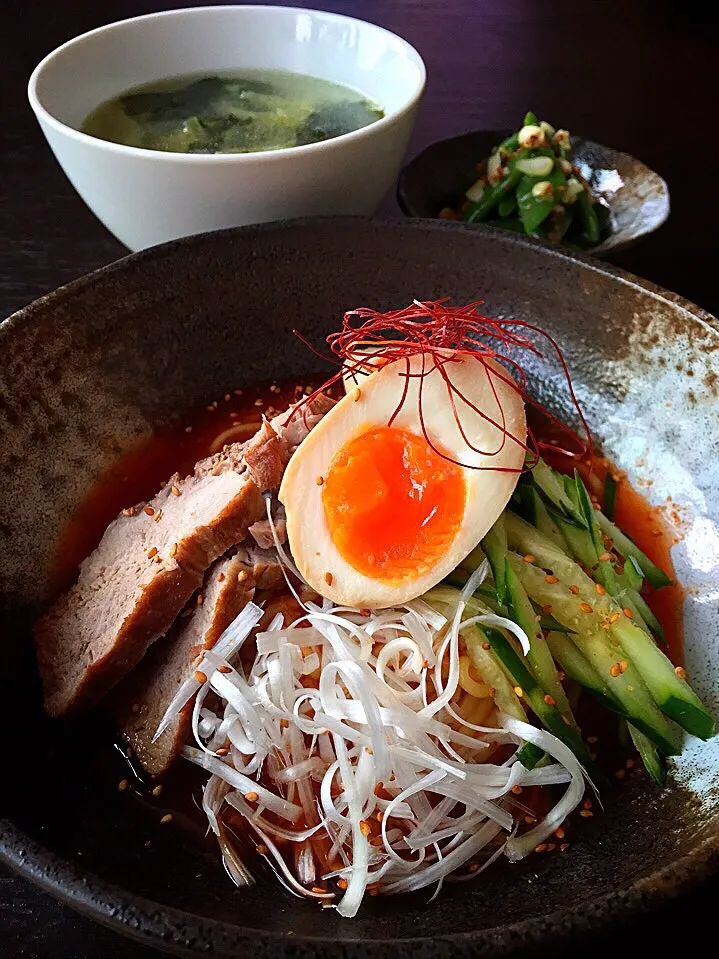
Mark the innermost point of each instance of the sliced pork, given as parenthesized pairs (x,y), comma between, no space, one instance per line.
(151,560)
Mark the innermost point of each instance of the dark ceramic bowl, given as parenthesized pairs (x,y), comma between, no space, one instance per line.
(99,362)
(637,197)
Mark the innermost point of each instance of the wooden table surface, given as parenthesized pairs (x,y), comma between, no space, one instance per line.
(640,76)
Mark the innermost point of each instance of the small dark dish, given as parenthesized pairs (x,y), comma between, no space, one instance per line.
(102,360)
(638,198)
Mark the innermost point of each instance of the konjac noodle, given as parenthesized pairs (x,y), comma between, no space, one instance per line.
(383,620)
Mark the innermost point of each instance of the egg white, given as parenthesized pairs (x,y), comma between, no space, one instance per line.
(371,405)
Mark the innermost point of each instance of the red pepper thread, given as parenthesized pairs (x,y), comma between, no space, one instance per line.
(436,329)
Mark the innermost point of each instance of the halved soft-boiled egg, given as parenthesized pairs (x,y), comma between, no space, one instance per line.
(403,477)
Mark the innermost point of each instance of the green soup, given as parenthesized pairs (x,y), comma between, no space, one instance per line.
(238,112)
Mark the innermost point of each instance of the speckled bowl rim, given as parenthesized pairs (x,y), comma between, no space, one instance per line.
(182,933)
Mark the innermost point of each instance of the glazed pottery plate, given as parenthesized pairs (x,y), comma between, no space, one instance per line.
(93,366)
(637,197)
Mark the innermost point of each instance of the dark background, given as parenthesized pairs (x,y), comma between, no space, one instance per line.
(639,75)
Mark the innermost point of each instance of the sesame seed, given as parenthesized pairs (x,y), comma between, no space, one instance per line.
(586,813)
(561,675)
(551,578)
(681,672)
(259,403)
(222,751)
(563,847)
(356,394)
(342,883)
(188,429)
(585,607)
(328,578)
(516,789)
(605,557)
(542,847)
(261,849)
(200,599)
(574,589)
(559,833)
(220,577)
(152,552)
(600,589)
(492,692)
(519,691)
(224,668)
(550,700)
(122,785)
(615,670)
(623,665)
(530,819)
(364,827)
(474,867)
(252,796)
(613,618)
(129,512)
(210,408)
(200,676)
(166,818)
(319,480)
(242,576)
(227,397)
(528,558)
(486,646)
(176,491)
(237,392)
(149,510)
(627,612)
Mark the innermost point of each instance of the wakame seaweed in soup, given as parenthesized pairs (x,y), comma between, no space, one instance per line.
(238,112)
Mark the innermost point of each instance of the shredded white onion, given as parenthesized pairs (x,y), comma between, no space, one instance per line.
(344,739)
(224,649)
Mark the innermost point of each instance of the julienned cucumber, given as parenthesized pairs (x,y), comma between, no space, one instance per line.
(577,667)
(655,576)
(605,654)
(540,657)
(653,762)
(494,546)
(546,711)
(557,576)
(671,693)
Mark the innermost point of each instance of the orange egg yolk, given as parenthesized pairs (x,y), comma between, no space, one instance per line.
(392,504)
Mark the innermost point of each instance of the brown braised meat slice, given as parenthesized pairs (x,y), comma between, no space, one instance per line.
(261,531)
(152,558)
(141,700)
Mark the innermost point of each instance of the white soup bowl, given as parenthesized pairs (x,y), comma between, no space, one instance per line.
(146,197)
